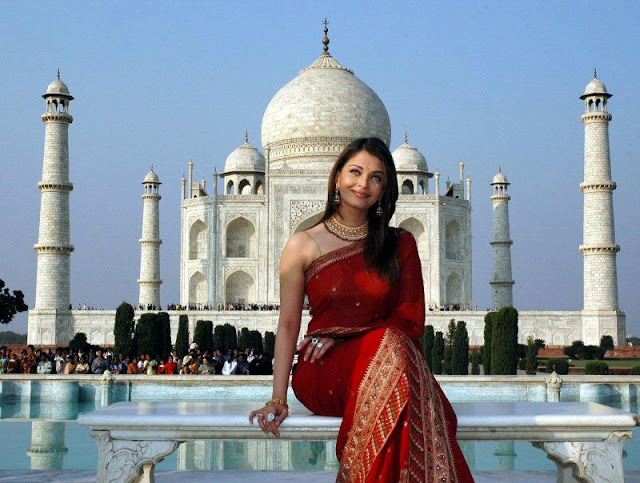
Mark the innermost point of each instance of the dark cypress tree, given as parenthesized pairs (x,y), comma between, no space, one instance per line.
(460,352)
(270,343)
(182,339)
(606,343)
(448,347)
(488,334)
(148,335)
(164,328)
(476,360)
(123,331)
(438,353)
(427,344)
(203,335)
(218,338)
(230,337)
(504,342)
(79,342)
(256,341)
(531,356)
(243,338)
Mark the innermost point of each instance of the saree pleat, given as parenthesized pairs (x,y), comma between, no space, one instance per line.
(397,424)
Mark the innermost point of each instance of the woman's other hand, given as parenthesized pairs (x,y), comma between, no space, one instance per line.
(270,417)
(316,347)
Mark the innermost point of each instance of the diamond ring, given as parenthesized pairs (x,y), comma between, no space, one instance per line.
(320,345)
(271,417)
(315,341)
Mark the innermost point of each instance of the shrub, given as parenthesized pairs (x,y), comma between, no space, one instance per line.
(522,351)
(255,340)
(79,343)
(203,335)
(270,343)
(427,343)
(575,350)
(231,337)
(243,338)
(218,338)
(448,347)
(182,339)
(476,360)
(124,331)
(531,362)
(148,335)
(540,344)
(561,366)
(522,364)
(438,353)
(504,342)
(596,368)
(488,333)
(578,350)
(635,371)
(460,351)
(606,343)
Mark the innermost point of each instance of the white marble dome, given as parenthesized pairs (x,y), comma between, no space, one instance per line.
(500,178)
(152,177)
(57,87)
(595,87)
(319,112)
(408,158)
(245,158)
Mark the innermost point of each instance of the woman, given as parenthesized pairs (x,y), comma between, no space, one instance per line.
(360,358)
(83,366)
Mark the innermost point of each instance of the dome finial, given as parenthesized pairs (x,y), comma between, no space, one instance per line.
(58,73)
(406,137)
(595,73)
(151,167)
(246,136)
(499,169)
(325,41)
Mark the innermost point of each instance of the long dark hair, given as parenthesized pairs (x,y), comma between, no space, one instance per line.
(381,245)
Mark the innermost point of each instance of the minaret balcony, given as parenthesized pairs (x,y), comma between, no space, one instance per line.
(599,249)
(57,116)
(501,242)
(48,186)
(596,116)
(601,186)
(53,248)
(150,241)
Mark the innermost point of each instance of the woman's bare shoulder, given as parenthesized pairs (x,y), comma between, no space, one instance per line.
(299,250)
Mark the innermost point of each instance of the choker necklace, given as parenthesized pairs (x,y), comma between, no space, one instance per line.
(344,232)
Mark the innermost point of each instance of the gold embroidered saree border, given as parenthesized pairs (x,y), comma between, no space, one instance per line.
(332,257)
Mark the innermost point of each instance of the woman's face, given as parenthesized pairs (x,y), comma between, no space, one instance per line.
(361,180)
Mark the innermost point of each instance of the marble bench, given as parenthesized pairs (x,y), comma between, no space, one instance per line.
(584,439)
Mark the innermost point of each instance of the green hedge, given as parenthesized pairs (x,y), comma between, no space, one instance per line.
(124,331)
(148,335)
(182,339)
(596,368)
(504,342)
(635,371)
(460,353)
(203,335)
(561,366)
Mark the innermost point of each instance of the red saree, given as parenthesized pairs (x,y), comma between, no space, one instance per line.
(397,423)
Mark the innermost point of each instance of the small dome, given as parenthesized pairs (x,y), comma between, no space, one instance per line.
(595,88)
(500,178)
(151,177)
(408,158)
(245,158)
(58,88)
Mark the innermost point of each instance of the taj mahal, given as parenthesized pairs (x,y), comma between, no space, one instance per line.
(234,228)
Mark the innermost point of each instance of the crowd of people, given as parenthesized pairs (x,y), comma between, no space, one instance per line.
(69,361)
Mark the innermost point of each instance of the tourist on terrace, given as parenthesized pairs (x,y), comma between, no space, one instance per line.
(71,365)
(361,357)
(99,364)
(171,367)
(83,366)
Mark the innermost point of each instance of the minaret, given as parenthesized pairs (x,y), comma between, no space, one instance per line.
(599,242)
(53,283)
(502,282)
(149,280)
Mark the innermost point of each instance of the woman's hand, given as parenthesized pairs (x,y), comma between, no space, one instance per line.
(316,347)
(270,417)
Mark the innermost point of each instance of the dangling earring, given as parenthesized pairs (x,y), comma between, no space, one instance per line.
(379,211)
(336,197)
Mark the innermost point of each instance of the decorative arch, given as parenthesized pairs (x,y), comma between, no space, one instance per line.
(422,189)
(231,190)
(453,241)
(198,243)
(407,187)
(417,229)
(244,188)
(241,239)
(198,289)
(240,288)
(454,289)
(96,338)
(309,222)
(259,188)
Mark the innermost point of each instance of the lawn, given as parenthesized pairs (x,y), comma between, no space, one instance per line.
(611,362)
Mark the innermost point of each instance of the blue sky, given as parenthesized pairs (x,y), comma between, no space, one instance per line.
(493,83)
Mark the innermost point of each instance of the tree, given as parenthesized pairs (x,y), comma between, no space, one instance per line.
(532,352)
(230,337)
(79,343)
(203,335)
(11,303)
(427,344)
(243,339)
(504,342)
(182,339)
(448,347)
(148,335)
(460,350)
(606,343)
(438,353)
(488,334)
(269,343)
(218,338)
(164,329)
(476,360)
(124,331)
(255,339)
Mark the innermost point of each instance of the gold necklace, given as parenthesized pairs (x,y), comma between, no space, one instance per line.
(344,232)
